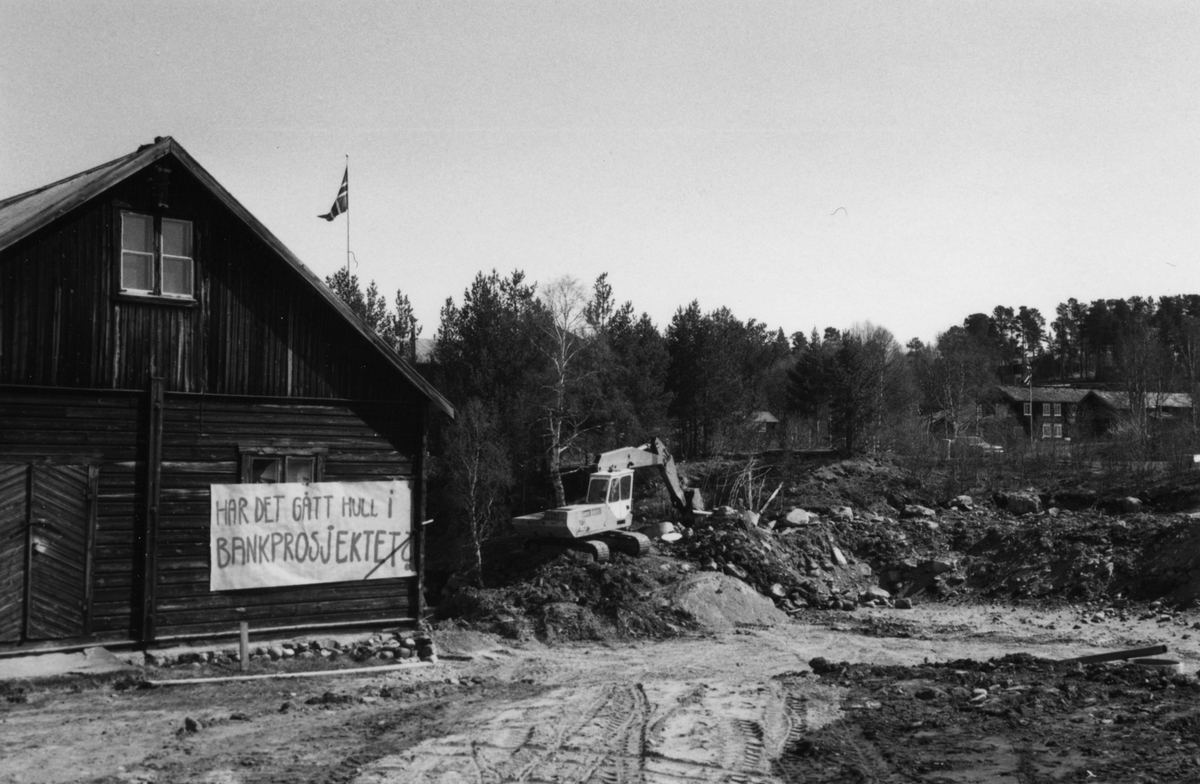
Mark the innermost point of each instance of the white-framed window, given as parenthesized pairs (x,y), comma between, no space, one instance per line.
(1027,409)
(1058,431)
(1058,409)
(1046,430)
(1045,409)
(156,256)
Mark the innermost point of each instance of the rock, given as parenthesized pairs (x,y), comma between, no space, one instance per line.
(963,502)
(903,604)
(916,510)
(384,654)
(275,652)
(288,653)
(239,716)
(426,652)
(404,653)
(842,513)
(1129,505)
(873,593)
(777,591)
(733,570)
(191,725)
(1019,503)
(305,655)
(798,517)
(838,557)
(750,518)
(937,567)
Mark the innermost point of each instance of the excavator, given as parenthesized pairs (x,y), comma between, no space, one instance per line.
(602,522)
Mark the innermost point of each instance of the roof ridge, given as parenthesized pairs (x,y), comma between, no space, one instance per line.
(76,175)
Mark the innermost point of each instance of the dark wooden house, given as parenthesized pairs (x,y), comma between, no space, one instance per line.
(155,339)
(1052,412)
(1102,411)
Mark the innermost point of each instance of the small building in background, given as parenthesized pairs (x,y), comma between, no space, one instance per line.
(1102,411)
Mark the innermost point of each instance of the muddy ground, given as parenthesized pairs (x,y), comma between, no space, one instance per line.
(895,635)
(747,705)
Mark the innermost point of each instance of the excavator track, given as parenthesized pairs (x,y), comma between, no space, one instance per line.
(597,548)
(628,542)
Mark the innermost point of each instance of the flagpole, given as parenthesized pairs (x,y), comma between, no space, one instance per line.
(347,216)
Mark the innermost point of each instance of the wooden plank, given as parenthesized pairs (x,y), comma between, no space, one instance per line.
(13,484)
(153,486)
(59,562)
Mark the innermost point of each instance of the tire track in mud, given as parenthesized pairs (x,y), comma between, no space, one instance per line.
(611,733)
(820,745)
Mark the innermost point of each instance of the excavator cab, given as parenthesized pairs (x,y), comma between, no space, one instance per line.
(615,491)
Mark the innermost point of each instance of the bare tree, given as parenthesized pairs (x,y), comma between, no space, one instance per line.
(567,332)
(477,475)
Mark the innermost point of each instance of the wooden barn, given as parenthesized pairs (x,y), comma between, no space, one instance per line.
(156,340)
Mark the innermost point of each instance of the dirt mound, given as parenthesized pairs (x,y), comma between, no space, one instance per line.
(568,596)
(721,603)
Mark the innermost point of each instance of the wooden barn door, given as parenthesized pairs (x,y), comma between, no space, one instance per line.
(45,519)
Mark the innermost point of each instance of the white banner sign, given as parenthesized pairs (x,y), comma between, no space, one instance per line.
(264,536)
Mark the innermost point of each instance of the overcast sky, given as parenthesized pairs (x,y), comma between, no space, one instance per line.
(804,164)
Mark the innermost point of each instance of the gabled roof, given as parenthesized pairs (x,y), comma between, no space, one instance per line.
(1042,394)
(1120,400)
(25,213)
(763,417)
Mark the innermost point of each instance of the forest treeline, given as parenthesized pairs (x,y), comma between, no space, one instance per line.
(543,376)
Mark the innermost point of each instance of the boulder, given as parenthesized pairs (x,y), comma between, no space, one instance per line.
(719,602)
(750,518)
(797,517)
(903,604)
(916,510)
(963,502)
(874,593)
(838,557)
(733,570)
(1019,503)
(842,513)
(1130,505)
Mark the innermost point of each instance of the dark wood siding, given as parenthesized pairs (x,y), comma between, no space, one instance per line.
(202,439)
(256,327)
(103,429)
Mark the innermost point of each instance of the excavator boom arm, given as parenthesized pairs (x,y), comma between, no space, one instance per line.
(653,454)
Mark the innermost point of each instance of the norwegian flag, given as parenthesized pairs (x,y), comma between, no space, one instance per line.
(342,202)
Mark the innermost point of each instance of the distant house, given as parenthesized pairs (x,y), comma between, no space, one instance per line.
(1101,410)
(764,423)
(1052,412)
(157,340)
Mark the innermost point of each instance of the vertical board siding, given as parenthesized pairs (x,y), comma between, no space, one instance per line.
(103,428)
(256,327)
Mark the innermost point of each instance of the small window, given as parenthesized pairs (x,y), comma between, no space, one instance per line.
(156,256)
(626,487)
(1027,409)
(268,469)
(1045,409)
(1058,409)
(1058,431)
(1046,430)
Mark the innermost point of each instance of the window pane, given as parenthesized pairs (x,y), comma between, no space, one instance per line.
(626,487)
(300,469)
(264,470)
(137,272)
(597,490)
(177,276)
(177,237)
(137,232)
